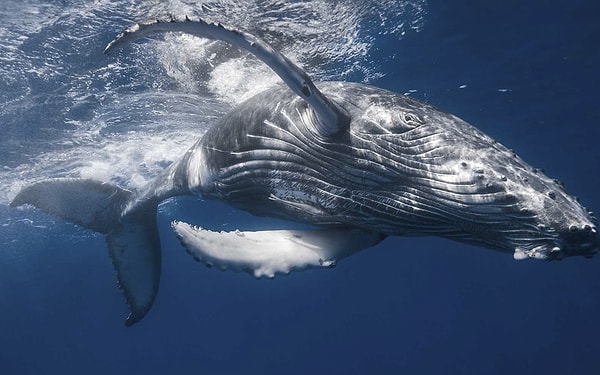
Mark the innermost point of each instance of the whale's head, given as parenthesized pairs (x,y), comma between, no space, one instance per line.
(577,239)
(445,177)
(554,224)
(564,226)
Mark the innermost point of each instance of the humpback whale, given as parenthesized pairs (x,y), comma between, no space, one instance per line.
(355,163)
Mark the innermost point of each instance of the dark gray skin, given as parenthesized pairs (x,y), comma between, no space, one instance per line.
(358,162)
(402,167)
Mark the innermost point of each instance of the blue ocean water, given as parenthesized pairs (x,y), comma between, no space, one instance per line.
(527,73)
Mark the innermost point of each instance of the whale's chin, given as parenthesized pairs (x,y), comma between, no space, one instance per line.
(576,241)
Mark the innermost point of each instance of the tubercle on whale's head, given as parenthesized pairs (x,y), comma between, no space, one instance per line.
(563,227)
(581,240)
(544,225)
(540,219)
(570,233)
(445,177)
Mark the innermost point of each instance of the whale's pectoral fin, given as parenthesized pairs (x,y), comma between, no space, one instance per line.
(266,253)
(327,117)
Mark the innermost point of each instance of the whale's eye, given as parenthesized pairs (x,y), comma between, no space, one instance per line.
(412,119)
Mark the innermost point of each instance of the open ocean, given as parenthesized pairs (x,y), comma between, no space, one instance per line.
(525,72)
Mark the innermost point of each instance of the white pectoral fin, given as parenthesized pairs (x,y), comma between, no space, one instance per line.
(266,253)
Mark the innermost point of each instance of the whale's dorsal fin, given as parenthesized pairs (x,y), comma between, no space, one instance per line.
(330,118)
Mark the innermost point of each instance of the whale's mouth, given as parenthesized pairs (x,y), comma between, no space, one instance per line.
(544,252)
(581,240)
(575,241)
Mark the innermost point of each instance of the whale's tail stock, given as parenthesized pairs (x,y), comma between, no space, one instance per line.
(131,235)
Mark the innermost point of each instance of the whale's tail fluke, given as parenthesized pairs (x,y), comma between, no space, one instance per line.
(132,238)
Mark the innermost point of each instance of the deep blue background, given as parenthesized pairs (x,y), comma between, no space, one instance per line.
(409,305)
